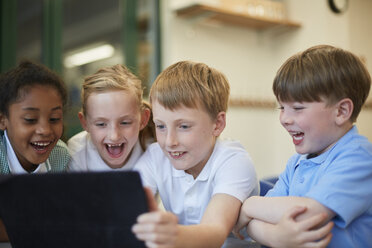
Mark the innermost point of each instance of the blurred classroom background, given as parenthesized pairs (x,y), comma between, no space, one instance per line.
(247,40)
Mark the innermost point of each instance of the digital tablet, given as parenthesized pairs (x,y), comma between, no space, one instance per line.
(92,209)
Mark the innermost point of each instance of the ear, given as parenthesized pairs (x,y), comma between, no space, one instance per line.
(220,124)
(2,121)
(145,117)
(83,121)
(344,110)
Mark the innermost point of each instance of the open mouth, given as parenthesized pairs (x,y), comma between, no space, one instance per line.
(176,155)
(115,150)
(40,146)
(297,137)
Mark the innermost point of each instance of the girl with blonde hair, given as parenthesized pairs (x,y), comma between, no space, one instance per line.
(115,118)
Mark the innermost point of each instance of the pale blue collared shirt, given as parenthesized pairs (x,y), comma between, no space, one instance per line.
(340,179)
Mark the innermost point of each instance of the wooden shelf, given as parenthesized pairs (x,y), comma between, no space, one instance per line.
(245,102)
(252,103)
(232,17)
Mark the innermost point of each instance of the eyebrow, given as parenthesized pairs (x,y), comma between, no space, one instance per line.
(129,116)
(177,120)
(37,109)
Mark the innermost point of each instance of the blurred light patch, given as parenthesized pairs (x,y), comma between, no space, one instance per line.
(89,55)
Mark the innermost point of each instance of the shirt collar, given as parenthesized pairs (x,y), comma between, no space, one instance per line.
(322,157)
(15,167)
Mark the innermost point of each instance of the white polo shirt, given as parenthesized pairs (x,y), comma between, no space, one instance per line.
(229,170)
(85,157)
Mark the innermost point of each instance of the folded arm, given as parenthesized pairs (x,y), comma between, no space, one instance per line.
(291,233)
(271,209)
(286,221)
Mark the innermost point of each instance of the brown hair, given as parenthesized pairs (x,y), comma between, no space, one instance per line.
(191,84)
(323,72)
(118,77)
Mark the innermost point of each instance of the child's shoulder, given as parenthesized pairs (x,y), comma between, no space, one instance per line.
(154,146)
(154,149)
(227,151)
(155,155)
(4,168)
(226,146)
(77,138)
(360,140)
(1,137)
(61,146)
(78,141)
(59,156)
(354,143)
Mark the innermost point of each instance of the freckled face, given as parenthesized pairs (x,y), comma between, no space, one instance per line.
(34,125)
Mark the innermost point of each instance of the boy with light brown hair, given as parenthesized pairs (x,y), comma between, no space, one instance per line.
(202,181)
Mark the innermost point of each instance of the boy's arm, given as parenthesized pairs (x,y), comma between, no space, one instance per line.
(286,225)
(161,228)
(290,233)
(271,209)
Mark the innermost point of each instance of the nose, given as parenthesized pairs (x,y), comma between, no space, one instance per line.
(44,128)
(171,139)
(285,118)
(114,134)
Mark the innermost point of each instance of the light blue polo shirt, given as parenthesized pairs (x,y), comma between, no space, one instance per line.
(340,179)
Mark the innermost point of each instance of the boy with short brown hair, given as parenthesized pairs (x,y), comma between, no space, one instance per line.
(320,92)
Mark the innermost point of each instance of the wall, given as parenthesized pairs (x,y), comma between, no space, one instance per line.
(250,58)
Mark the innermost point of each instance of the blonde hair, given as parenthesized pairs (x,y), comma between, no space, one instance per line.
(191,84)
(118,77)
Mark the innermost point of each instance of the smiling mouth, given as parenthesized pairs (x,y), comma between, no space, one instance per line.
(297,137)
(115,150)
(41,146)
(176,155)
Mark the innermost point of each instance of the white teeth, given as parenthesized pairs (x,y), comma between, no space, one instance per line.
(176,153)
(114,145)
(297,135)
(41,143)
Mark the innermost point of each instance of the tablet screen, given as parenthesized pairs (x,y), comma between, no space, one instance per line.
(95,209)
